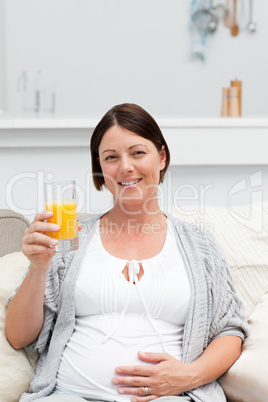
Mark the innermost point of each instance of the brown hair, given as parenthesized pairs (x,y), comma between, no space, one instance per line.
(135,119)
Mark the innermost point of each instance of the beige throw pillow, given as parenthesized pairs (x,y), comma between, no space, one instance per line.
(16,367)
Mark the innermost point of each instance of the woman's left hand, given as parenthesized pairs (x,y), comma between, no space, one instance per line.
(167,376)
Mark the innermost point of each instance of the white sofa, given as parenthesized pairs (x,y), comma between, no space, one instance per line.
(243,235)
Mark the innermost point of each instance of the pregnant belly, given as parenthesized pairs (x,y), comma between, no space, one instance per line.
(88,362)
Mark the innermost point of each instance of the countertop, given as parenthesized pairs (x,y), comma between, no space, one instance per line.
(46,121)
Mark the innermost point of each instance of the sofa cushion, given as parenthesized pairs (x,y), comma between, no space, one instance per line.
(16,367)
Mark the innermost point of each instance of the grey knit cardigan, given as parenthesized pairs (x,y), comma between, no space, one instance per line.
(214,310)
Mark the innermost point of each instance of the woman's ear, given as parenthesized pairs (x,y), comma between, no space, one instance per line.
(162,158)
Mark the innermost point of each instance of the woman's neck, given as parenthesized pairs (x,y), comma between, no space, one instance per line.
(135,219)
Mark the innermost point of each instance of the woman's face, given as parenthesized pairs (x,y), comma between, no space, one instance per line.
(130,165)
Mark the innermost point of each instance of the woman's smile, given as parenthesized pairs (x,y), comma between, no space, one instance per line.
(129,182)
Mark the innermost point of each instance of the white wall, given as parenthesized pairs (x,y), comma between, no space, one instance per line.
(103,52)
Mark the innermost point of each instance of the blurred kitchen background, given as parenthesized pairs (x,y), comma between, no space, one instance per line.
(97,53)
(84,56)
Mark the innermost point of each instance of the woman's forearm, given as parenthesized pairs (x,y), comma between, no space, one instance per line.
(25,313)
(218,357)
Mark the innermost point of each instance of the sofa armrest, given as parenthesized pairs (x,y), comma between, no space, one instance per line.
(12,227)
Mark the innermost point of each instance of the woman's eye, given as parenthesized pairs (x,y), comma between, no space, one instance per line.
(138,152)
(110,157)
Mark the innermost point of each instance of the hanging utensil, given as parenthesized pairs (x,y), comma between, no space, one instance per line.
(220,10)
(234,27)
(251,25)
(206,19)
(213,23)
(228,15)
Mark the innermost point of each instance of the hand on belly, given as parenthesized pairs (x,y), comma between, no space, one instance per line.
(166,375)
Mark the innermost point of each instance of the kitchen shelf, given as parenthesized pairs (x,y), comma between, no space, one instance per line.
(55,121)
(195,141)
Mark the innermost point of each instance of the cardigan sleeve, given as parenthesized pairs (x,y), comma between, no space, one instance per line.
(227,310)
(57,271)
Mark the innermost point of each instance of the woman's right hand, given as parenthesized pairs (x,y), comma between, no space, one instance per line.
(37,246)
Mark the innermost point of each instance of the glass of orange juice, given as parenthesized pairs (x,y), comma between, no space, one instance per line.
(60,198)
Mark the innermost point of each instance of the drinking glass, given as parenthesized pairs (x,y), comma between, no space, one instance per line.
(60,198)
(49,98)
(29,85)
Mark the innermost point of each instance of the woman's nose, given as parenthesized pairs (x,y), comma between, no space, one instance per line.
(126,165)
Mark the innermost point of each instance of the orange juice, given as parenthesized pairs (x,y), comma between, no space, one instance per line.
(64,214)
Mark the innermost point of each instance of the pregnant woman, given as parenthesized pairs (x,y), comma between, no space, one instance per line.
(146,308)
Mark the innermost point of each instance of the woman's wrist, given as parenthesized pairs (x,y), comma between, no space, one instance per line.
(196,374)
(36,271)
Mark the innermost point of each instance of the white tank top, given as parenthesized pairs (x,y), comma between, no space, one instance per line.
(116,318)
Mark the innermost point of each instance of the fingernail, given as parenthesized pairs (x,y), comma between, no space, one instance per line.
(117,370)
(121,391)
(49,213)
(142,353)
(114,381)
(56,227)
(54,241)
